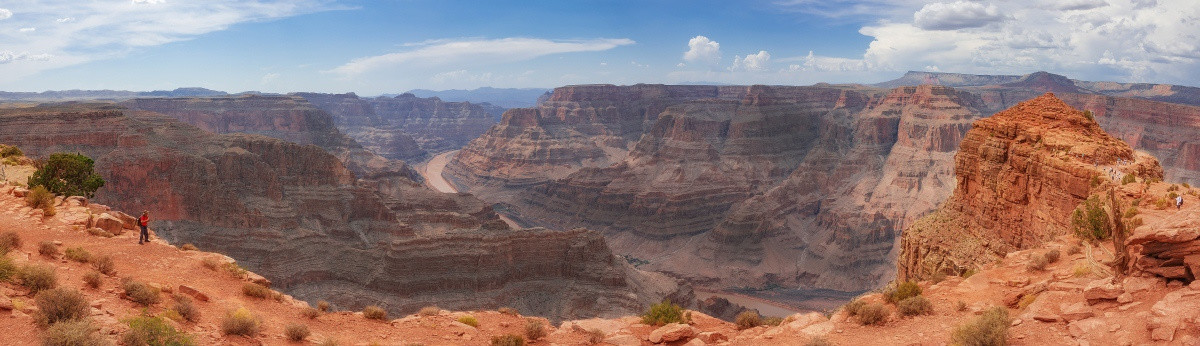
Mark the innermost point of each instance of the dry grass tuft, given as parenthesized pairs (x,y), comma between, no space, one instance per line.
(989,329)
(104,265)
(748,319)
(375,313)
(240,322)
(534,329)
(60,304)
(92,279)
(296,332)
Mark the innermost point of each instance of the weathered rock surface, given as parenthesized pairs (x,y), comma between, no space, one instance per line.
(1020,174)
(404,127)
(295,214)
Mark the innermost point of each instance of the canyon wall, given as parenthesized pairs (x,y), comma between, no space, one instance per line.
(1020,174)
(297,215)
(404,127)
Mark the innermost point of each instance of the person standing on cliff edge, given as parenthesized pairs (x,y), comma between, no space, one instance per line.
(143,222)
(1178,202)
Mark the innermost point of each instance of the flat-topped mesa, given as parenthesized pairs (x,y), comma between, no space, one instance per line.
(1021,173)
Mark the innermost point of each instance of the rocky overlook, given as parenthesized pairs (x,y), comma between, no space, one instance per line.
(404,127)
(297,215)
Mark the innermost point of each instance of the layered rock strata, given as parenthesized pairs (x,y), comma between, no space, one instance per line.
(1020,174)
(295,214)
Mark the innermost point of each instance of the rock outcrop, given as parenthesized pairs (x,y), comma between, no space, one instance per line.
(1020,175)
(297,215)
(404,127)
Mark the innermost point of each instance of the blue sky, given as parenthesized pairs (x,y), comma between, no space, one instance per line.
(388,46)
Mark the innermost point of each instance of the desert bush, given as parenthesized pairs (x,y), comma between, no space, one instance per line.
(1037,262)
(104,265)
(240,322)
(310,313)
(8,270)
(1026,300)
(77,254)
(48,249)
(430,311)
(508,311)
(254,290)
(38,278)
(40,198)
(186,308)
(534,329)
(1082,270)
(508,340)
(469,320)
(1129,178)
(960,306)
(912,306)
(188,247)
(1074,249)
(150,330)
(1091,220)
(748,319)
(872,314)
(9,241)
(1161,204)
(140,293)
(1131,212)
(663,313)
(902,291)
(1135,223)
(853,306)
(73,333)
(595,336)
(67,175)
(60,304)
(92,279)
(323,306)
(296,332)
(211,263)
(818,341)
(235,270)
(772,321)
(988,329)
(328,342)
(375,313)
(1052,255)
(7,151)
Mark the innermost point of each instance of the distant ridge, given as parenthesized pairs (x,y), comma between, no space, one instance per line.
(503,97)
(72,95)
(947,79)
(1043,81)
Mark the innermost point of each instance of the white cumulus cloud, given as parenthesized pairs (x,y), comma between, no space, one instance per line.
(475,52)
(752,62)
(703,50)
(5,13)
(27,29)
(65,20)
(956,15)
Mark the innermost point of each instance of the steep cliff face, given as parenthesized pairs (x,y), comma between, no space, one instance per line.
(296,214)
(405,127)
(746,187)
(1020,174)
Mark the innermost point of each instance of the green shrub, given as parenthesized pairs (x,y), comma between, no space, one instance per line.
(73,333)
(296,332)
(67,175)
(7,151)
(60,304)
(38,278)
(9,241)
(872,314)
(104,265)
(186,308)
(48,249)
(508,340)
(912,306)
(375,313)
(254,290)
(140,293)
(748,319)
(1131,212)
(1091,220)
(534,329)
(1186,186)
(1129,178)
(92,279)
(8,270)
(469,320)
(989,329)
(323,306)
(77,254)
(663,313)
(240,322)
(902,291)
(153,331)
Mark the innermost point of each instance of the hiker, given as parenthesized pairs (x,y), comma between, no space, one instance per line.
(143,222)
(1178,201)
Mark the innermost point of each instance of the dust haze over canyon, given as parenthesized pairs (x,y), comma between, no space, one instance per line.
(632,194)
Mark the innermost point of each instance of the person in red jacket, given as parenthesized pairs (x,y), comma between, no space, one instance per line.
(143,222)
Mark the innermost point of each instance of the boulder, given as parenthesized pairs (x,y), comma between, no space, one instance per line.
(672,332)
(712,337)
(188,290)
(110,223)
(1101,290)
(20,192)
(128,222)
(1075,312)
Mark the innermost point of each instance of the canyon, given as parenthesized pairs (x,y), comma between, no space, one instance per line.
(300,216)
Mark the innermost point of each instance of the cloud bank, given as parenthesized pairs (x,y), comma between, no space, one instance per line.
(474,52)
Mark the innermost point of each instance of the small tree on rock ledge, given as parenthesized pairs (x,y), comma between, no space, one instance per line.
(67,175)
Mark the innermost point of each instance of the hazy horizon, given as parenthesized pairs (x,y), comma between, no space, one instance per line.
(373,48)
